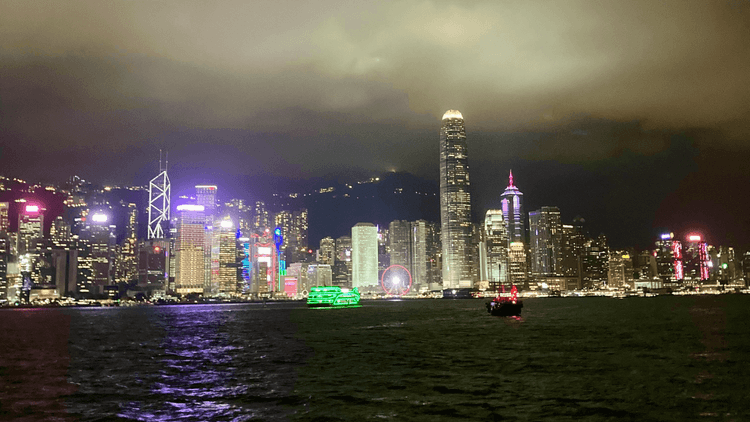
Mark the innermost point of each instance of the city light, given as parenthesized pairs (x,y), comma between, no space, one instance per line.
(99,218)
(694,238)
(666,236)
(32,209)
(226,224)
(190,207)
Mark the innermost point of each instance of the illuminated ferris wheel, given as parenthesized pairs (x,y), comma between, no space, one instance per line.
(396,280)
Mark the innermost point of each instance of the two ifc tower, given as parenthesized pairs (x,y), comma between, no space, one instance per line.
(455,204)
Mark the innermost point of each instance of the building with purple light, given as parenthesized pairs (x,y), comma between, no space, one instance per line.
(512,206)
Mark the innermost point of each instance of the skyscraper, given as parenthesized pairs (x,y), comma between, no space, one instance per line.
(512,205)
(364,255)
(227,278)
(159,192)
(545,238)
(189,247)
(494,253)
(455,202)
(205,196)
(4,222)
(30,226)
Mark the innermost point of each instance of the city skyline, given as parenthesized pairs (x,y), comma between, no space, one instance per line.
(599,109)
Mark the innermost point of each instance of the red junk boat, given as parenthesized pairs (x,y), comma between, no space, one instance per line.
(504,305)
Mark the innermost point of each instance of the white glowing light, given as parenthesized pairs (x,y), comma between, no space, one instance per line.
(264,250)
(99,218)
(190,207)
(452,114)
(32,208)
(226,224)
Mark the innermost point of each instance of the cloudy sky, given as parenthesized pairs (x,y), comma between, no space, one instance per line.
(630,113)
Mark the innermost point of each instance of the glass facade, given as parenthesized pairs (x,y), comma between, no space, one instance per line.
(455,202)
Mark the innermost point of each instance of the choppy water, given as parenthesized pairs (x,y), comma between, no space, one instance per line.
(664,358)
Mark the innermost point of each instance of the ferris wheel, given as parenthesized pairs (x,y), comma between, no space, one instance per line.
(396,280)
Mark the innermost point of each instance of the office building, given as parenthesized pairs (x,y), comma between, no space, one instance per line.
(545,241)
(189,249)
(455,203)
(493,250)
(512,206)
(364,253)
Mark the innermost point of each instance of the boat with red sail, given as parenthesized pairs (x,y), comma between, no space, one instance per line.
(504,304)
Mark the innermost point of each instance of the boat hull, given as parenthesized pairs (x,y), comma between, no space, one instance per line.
(504,308)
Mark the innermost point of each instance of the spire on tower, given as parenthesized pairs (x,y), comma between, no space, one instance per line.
(510,180)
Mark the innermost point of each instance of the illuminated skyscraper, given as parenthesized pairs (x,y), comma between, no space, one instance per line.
(519,273)
(364,255)
(227,280)
(159,191)
(420,254)
(30,225)
(101,238)
(327,251)
(512,205)
(206,197)
(545,238)
(4,222)
(494,250)
(189,247)
(455,202)
(399,242)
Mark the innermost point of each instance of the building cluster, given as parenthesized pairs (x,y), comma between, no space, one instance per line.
(194,246)
(199,246)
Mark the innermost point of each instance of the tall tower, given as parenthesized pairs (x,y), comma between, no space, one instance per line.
(189,247)
(455,202)
(159,191)
(364,255)
(512,205)
(494,252)
(545,234)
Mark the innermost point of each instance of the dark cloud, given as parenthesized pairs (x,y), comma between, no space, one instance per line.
(309,89)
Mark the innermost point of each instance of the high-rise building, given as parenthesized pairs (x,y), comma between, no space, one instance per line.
(189,249)
(512,206)
(327,251)
(518,269)
(571,250)
(159,193)
(261,217)
(455,202)
(668,259)
(206,195)
(620,273)
(59,230)
(545,241)
(494,250)
(4,222)
(342,270)
(364,255)
(420,255)
(595,262)
(227,280)
(400,243)
(30,226)
(101,237)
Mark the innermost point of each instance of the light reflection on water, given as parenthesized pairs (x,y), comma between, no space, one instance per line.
(667,358)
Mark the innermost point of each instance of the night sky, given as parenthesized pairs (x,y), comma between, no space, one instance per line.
(633,114)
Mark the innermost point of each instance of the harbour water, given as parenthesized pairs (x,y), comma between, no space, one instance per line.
(660,358)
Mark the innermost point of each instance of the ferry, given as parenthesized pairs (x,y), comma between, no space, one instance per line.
(503,305)
(333,297)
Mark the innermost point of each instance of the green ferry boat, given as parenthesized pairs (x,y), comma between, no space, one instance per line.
(333,297)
